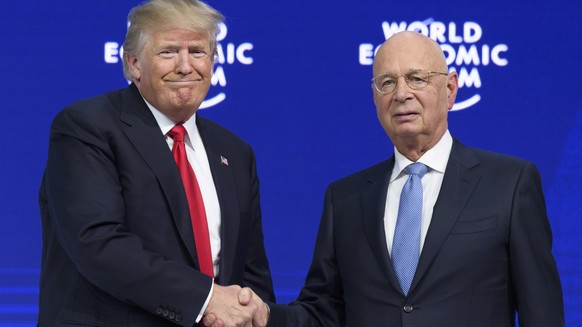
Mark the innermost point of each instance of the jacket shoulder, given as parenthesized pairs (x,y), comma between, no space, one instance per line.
(113,98)
(481,159)
(363,178)
(219,134)
(93,108)
(498,161)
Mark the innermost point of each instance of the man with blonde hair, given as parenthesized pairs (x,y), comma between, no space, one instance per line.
(148,209)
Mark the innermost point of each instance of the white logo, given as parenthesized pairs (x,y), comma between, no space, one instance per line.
(463,52)
(227,54)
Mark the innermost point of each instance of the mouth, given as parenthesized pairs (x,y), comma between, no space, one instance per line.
(183,82)
(406,116)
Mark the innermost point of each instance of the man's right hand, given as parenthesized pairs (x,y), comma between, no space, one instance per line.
(247,297)
(231,306)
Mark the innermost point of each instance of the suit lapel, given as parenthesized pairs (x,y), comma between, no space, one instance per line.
(458,184)
(373,200)
(144,133)
(222,175)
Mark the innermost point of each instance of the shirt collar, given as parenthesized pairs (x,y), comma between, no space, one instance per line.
(435,158)
(166,124)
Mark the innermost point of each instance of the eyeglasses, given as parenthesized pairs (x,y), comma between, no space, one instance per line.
(386,83)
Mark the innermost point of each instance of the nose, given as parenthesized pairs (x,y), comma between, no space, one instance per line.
(402,90)
(183,63)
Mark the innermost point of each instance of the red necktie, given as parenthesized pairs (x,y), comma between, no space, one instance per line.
(195,202)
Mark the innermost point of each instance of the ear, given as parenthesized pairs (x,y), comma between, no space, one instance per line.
(452,87)
(134,66)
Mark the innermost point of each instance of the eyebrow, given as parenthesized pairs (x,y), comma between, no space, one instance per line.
(178,45)
(410,71)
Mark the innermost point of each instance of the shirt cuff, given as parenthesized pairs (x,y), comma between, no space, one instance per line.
(201,314)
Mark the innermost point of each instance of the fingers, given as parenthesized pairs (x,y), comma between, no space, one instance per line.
(217,323)
(234,306)
(210,320)
(245,295)
(224,309)
(261,317)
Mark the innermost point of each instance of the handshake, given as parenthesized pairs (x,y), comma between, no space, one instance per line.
(233,306)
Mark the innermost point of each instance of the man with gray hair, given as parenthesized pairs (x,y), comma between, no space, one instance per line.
(149,210)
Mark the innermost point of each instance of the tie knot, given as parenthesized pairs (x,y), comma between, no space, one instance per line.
(177,133)
(416,168)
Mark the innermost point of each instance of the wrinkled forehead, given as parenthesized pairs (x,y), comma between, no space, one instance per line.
(402,54)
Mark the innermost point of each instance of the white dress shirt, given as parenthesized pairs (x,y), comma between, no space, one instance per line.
(436,160)
(198,159)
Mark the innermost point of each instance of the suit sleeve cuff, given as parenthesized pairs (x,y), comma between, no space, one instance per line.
(201,314)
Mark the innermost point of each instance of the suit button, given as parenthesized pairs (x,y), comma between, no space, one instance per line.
(165,313)
(178,318)
(172,315)
(408,308)
(159,310)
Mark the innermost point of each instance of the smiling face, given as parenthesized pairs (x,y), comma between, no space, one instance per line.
(173,71)
(414,118)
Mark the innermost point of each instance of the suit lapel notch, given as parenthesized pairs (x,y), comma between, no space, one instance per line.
(143,132)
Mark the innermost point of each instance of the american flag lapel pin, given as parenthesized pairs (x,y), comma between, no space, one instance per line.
(223,161)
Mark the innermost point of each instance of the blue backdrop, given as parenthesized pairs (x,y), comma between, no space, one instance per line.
(293,79)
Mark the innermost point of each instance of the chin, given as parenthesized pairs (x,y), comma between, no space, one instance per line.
(408,132)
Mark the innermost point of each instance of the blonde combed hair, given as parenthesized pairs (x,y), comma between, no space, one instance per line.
(157,15)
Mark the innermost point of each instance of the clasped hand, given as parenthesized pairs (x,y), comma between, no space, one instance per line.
(233,306)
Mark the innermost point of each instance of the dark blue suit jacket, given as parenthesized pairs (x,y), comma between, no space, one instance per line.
(118,248)
(486,256)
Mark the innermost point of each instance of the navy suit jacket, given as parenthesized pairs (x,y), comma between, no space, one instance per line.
(486,256)
(118,247)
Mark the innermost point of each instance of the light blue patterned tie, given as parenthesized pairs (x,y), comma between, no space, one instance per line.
(406,244)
